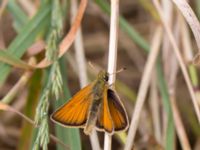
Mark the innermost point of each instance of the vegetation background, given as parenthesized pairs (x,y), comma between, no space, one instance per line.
(31,30)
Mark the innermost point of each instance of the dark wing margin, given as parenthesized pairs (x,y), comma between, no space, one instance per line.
(117,111)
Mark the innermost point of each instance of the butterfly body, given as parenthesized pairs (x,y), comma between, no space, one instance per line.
(95,105)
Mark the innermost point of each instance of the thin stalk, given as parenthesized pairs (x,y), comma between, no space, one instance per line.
(169,126)
(144,87)
(179,125)
(125,26)
(22,81)
(82,71)
(112,56)
(179,58)
(154,104)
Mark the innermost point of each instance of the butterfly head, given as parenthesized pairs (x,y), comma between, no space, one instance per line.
(103,75)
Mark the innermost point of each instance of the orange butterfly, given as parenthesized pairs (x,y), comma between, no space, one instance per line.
(94,105)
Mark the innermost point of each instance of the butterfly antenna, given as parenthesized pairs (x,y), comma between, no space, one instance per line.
(118,71)
(91,65)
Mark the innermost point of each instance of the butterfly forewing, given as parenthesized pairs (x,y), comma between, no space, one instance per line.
(74,112)
(117,111)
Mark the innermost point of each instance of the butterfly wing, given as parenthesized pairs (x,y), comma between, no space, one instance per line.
(104,121)
(74,112)
(117,111)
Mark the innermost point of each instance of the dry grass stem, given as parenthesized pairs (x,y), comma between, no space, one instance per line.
(155,108)
(179,125)
(185,37)
(190,17)
(180,60)
(6,107)
(112,56)
(155,47)
(172,77)
(67,41)
(82,71)
(21,83)
(79,49)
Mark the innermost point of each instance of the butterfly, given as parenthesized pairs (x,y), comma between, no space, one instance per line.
(95,106)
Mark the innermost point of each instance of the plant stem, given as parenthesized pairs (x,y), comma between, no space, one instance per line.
(112,57)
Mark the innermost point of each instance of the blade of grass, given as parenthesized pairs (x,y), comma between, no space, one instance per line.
(16,88)
(7,58)
(80,58)
(20,18)
(29,110)
(190,17)
(130,31)
(134,35)
(144,87)
(69,135)
(26,37)
(179,58)
(170,137)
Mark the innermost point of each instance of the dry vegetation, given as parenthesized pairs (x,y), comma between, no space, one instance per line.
(160,88)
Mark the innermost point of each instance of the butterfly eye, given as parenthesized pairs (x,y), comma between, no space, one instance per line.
(106,77)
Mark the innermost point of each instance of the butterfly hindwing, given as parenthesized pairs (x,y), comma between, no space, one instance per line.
(117,111)
(74,112)
(104,121)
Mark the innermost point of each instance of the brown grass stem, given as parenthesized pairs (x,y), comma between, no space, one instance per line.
(82,71)
(179,125)
(155,47)
(179,58)
(21,83)
(155,108)
(6,107)
(112,56)
(191,18)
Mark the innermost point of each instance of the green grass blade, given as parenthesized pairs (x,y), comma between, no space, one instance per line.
(20,18)
(26,37)
(128,29)
(29,111)
(12,60)
(170,137)
(69,136)
(135,36)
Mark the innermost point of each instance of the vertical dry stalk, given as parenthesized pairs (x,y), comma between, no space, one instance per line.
(179,125)
(155,47)
(82,72)
(180,60)
(112,56)
(172,77)
(168,12)
(154,104)
(185,37)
